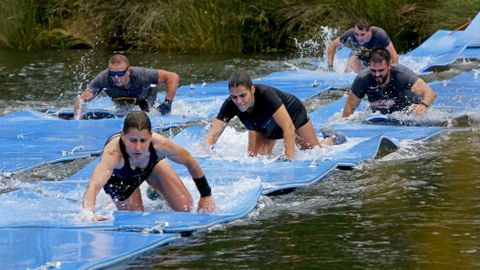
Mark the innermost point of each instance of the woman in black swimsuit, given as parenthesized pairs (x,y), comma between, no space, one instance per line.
(136,155)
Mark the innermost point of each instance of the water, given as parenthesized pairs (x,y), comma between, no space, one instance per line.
(418,208)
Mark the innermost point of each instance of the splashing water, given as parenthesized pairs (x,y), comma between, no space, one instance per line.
(314,51)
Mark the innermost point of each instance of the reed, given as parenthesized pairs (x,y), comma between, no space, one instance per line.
(215,26)
(18,24)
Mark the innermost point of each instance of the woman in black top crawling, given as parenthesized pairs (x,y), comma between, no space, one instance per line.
(269,114)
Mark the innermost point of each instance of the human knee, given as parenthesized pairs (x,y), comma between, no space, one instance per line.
(183,204)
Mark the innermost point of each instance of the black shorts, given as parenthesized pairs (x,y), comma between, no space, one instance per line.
(122,188)
(299,117)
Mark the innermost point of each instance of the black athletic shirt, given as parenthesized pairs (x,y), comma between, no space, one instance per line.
(125,180)
(379,39)
(394,96)
(267,101)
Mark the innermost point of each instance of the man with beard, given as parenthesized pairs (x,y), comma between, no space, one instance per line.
(361,39)
(389,88)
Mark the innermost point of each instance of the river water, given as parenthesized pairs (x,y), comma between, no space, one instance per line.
(417,208)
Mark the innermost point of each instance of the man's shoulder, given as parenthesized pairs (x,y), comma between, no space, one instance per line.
(363,74)
(378,29)
(143,70)
(101,80)
(379,33)
(401,68)
(142,75)
(402,72)
(348,33)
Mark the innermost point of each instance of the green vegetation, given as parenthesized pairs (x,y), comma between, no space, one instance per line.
(215,26)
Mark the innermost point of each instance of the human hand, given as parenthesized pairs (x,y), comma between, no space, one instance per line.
(205,149)
(206,204)
(418,109)
(90,216)
(165,107)
(283,158)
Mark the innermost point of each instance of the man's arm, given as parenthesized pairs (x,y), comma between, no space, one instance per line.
(78,107)
(284,120)
(421,88)
(171,79)
(332,48)
(393,53)
(351,104)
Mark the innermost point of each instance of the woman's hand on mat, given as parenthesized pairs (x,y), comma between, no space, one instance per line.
(206,204)
(90,216)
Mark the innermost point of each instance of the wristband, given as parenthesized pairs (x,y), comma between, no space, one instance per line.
(202,186)
(425,104)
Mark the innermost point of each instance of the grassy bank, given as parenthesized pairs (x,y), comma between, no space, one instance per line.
(215,26)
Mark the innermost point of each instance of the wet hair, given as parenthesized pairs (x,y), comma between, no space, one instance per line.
(118,59)
(240,78)
(363,24)
(138,120)
(380,54)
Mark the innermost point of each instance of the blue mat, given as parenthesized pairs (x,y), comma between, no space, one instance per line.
(280,176)
(365,142)
(472,32)
(34,248)
(455,103)
(57,204)
(471,53)
(45,139)
(305,83)
(275,175)
(441,49)
(30,138)
(444,47)
(461,92)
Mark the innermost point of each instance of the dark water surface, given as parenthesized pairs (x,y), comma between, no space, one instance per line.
(417,208)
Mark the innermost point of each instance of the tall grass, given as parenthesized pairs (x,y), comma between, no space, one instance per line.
(18,24)
(215,26)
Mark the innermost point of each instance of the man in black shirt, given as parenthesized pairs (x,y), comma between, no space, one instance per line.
(129,85)
(389,88)
(361,39)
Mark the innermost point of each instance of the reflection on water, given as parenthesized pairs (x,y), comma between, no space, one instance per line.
(414,209)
